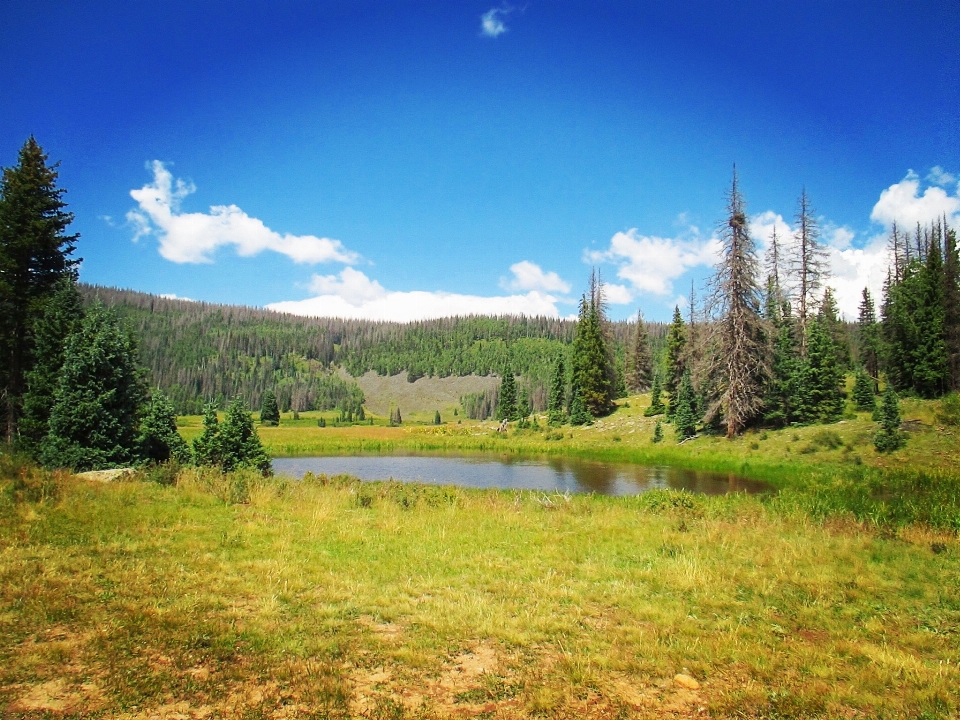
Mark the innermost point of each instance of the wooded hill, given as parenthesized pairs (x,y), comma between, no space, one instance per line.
(201,352)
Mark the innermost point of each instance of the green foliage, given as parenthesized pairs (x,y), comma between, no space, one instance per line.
(558,388)
(821,390)
(863,395)
(159,440)
(507,405)
(579,415)
(34,257)
(658,432)
(784,391)
(207,447)
(436,418)
(395,417)
(321,422)
(233,444)
(889,438)
(94,419)
(61,317)
(269,410)
(674,357)
(869,337)
(591,361)
(656,402)
(684,416)
(639,362)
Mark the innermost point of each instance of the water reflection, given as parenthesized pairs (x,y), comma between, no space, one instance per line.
(511,472)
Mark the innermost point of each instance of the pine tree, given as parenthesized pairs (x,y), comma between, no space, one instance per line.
(240,443)
(62,316)
(321,422)
(208,446)
(741,363)
(639,371)
(863,391)
(674,357)
(684,416)
(889,438)
(869,338)
(579,415)
(436,418)
(507,405)
(783,394)
(951,306)
(592,364)
(822,397)
(558,384)
(808,265)
(829,315)
(94,418)
(269,410)
(34,256)
(159,440)
(658,432)
(656,402)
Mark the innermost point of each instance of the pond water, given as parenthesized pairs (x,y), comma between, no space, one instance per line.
(513,473)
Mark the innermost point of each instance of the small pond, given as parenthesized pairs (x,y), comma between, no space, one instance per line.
(513,473)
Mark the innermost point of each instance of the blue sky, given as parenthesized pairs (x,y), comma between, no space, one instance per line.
(404,159)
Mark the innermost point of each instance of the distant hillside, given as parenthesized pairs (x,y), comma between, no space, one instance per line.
(200,352)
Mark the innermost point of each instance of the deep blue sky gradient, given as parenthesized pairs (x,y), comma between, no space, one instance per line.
(442,156)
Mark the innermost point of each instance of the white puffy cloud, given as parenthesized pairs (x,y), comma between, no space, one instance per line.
(174,296)
(353,295)
(491,22)
(194,237)
(651,264)
(530,276)
(939,176)
(904,204)
(617,294)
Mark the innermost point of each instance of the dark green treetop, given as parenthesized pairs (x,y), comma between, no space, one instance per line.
(269,410)
(159,440)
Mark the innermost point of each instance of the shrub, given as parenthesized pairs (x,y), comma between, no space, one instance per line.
(949,410)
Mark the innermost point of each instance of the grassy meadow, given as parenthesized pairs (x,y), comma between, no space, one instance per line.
(199,595)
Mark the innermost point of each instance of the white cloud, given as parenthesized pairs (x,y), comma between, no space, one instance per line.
(939,176)
(491,22)
(651,264)
(172,296)
(902,203)
(617,294)
(194,237)
(353,295)
(530,276)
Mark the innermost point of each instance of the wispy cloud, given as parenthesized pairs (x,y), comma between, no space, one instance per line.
(491,22)
(530,276)
(352,295)
(194,237)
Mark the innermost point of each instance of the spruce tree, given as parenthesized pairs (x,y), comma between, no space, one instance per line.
(658,432)
(869,338)
(593,371)
(558,384)
(656,402)
(808,265)
(889,438)
(822,396)
(741,363)
(674,357)
(208,446)
(863,394)
(829,315)
(94,418)
(62,315)
(159,440)
(639,371)
(436,418)
(684,416)
(951,306)
(783,399)
(34,257)
(579,414)
(269,410)
(507,403)
(240,443)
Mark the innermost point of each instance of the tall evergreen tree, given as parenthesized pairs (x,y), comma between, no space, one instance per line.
(863,391)
(869,338)
(558,386)
(889,438)
(808,265)
(269,410)
(240,443)
(95,415)
(829,315)
(674,357)
(507,404)
(592,363)
(951,305)
(159,440)
(741,365)
(639,373)
(822,394)
(62,315)
(579,414)
(34,256)
(783,400)
(684,416)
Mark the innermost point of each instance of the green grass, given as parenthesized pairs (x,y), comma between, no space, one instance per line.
(332,598)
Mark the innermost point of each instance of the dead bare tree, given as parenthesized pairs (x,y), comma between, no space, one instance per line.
(741,363)
(808,265)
